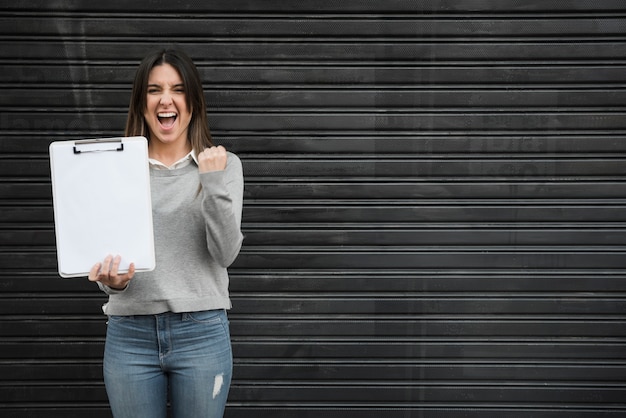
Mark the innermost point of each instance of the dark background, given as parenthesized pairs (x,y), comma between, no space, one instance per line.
(434,206)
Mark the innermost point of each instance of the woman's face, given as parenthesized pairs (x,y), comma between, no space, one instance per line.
(166,110)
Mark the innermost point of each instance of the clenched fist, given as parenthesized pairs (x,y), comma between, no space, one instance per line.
(212,159)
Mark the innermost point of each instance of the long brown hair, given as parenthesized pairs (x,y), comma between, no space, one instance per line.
(198,133)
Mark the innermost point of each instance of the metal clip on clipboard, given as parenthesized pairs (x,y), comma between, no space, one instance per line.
(98,145)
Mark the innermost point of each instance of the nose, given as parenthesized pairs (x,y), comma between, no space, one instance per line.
(166,99)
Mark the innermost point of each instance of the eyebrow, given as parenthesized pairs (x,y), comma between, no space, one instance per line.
(159,85)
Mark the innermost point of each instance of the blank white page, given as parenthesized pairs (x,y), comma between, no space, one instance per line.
(102,206)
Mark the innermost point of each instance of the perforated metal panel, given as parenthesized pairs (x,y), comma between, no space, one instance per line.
(434,206)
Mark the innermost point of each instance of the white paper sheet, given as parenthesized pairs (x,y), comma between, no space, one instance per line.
(102,206)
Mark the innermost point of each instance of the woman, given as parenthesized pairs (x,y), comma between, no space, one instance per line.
(167,333)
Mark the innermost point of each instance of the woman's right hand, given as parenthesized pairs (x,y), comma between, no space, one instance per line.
(107,273)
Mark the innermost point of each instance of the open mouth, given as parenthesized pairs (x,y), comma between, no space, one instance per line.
(167,119)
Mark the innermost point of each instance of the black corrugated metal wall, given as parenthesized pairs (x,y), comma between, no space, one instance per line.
(434,209)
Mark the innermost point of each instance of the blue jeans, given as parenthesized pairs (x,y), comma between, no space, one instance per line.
(187,356)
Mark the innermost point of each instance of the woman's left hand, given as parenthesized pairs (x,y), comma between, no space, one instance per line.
(212,159)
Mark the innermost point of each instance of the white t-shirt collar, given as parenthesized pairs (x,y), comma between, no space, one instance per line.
(183,162)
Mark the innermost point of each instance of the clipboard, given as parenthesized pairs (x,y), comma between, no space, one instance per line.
(102,204)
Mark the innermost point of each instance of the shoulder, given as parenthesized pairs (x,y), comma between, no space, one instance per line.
(233,164)
(232,160)
(232,156)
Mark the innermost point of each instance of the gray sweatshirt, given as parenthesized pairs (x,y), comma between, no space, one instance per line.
(197,235)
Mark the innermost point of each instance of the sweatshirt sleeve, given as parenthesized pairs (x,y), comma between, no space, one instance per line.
(222,203)
(110,291)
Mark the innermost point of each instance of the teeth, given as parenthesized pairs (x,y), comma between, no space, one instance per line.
(166,115)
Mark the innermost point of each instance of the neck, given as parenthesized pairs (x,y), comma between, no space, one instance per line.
(168,154)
